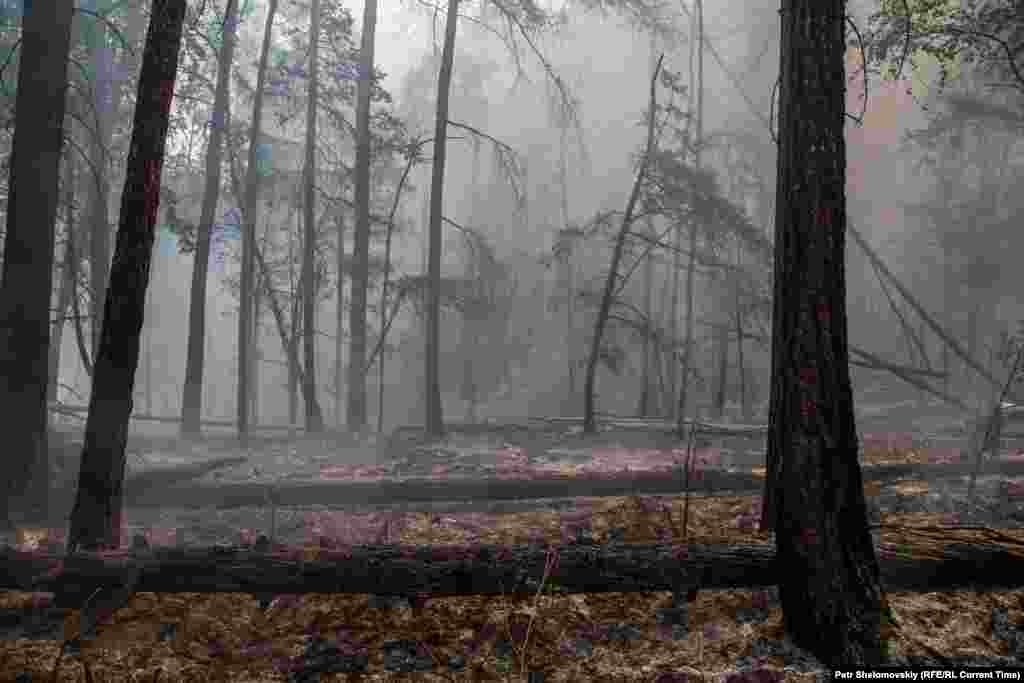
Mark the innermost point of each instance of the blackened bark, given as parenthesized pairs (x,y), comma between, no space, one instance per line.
(28,261)
(814,498)
(314,418)
(589,424)
(96,517)
(192,391)
(356,403)
(247,336)
(434,415)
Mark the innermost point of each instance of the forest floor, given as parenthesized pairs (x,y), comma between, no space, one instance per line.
(579,637)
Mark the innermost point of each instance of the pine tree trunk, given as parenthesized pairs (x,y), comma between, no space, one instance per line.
(688,351)
(314,418)
(589,423)
(96,518)
(105,102)
(814,498)
(722,376)
(339,323)
(646,395)
(66,286)
(27,281)
(434,414)
(191,395)
(356,409)
(247,316)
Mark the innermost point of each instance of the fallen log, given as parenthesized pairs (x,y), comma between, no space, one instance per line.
(479,570)
(703,428)
(411,491)
(72,409)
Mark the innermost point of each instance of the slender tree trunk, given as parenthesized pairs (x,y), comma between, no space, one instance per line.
(27,282)
(814,498)
(293,362)
(147,333)
(570,347)
(666,349)
(255,355)
(434,416)
(314,418)
(589,424)
(645,388)
(191,395)
(356,407)
(104,102)
(684,381)
(339,323)
(247,325)
(722,376)
(67,283)
(96,517)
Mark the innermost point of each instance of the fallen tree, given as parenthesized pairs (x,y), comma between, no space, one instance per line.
(480,570)
(392,493)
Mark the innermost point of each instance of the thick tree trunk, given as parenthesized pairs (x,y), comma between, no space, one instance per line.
(96,517)
(814,496)
(247,320)
(356,409)
(314,418)
(27,282)
(434,419)
(192,391)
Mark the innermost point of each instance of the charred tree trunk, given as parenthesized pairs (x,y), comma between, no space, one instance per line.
(192,391)
(339,321)
(96,517)
(246,319)
(644,409)
(67,283)
(99,195)
(434,416)
(314,418)
(589,424)
(722,376)
(356,409)
(814,498)
(684,379)
(27,282)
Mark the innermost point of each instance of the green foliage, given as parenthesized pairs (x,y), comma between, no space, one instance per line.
(941,34)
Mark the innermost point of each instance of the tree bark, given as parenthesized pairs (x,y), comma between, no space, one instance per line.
(722,376)
(99,195)
(356,409)
(67,284)
(246,318)
(589,424)
(27,281)
(96,516)
(339,320)
(814,497)
(434,418)
(684,379)
(192,391)
(314,418)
